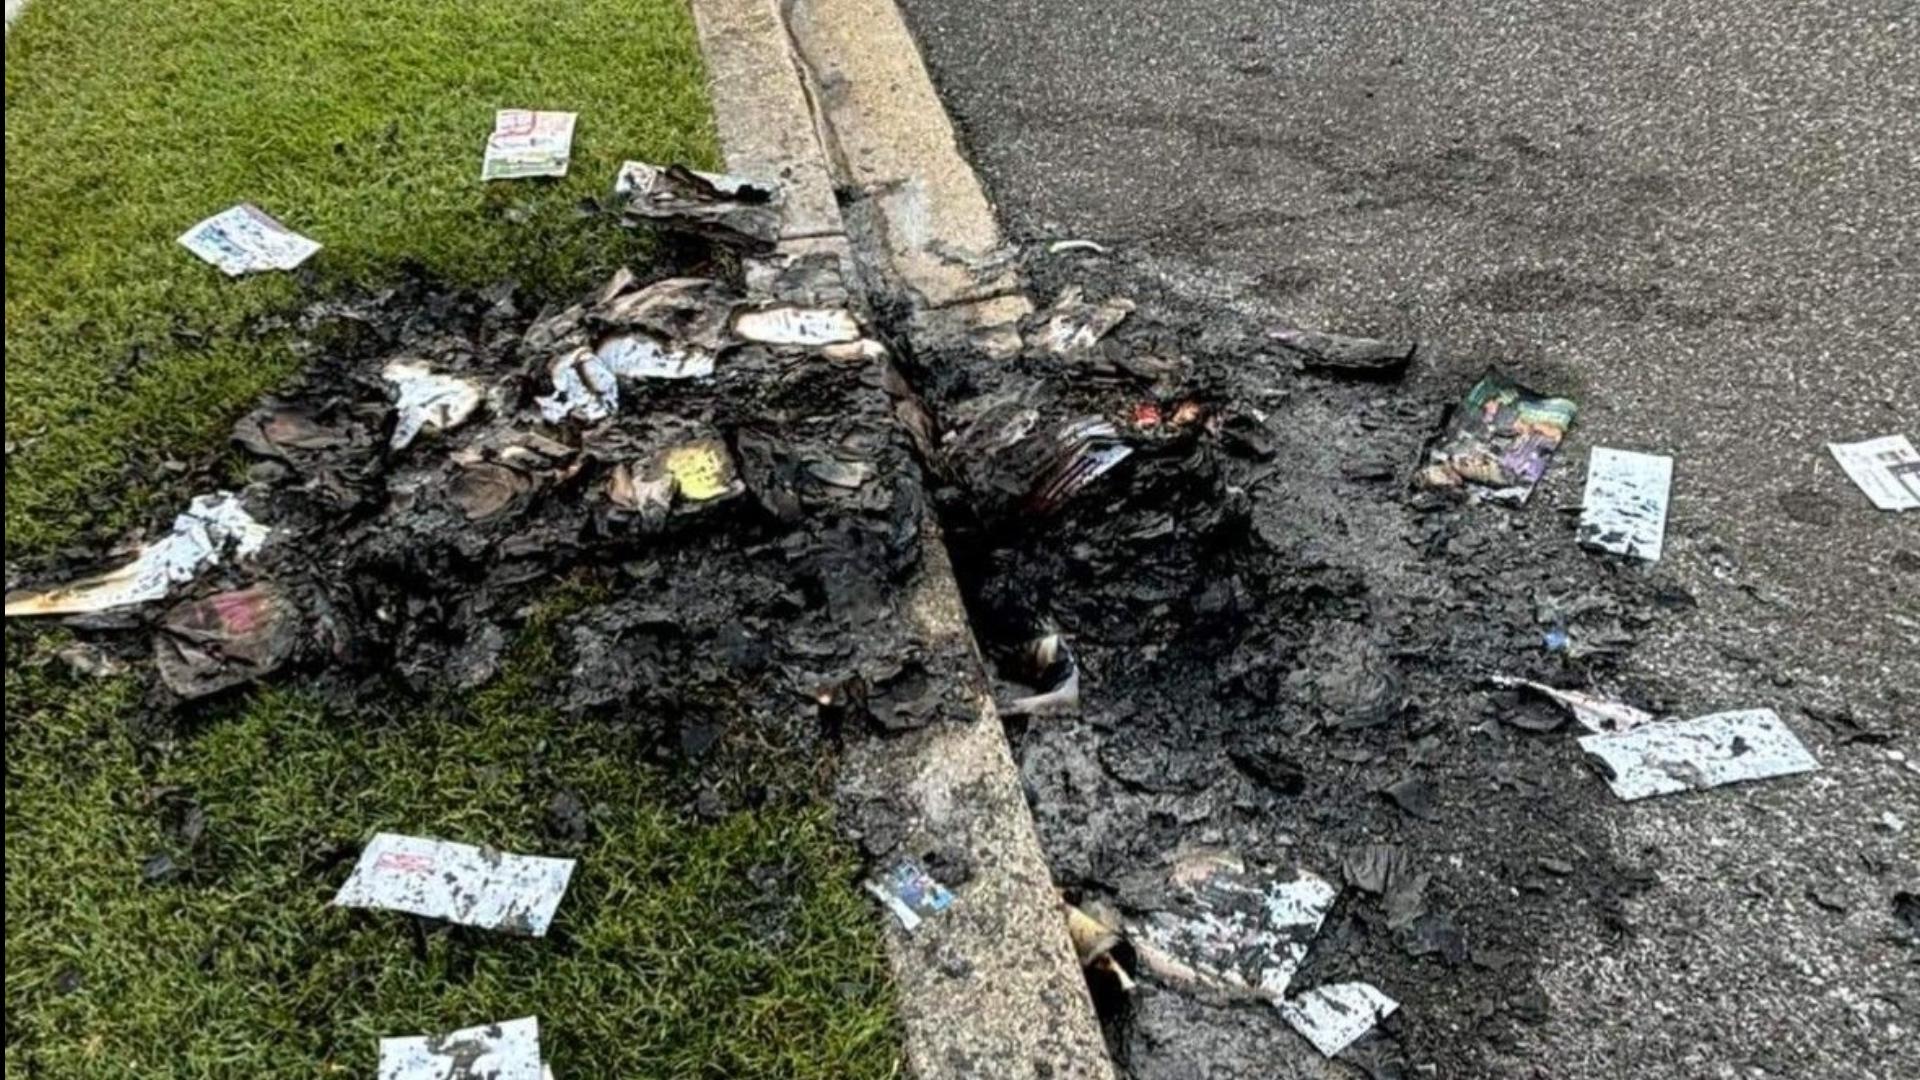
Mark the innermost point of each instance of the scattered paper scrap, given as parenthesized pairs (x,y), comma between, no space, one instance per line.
(583,389)
(911,894)
(730,209)
(1087,449)
(1597,714)
(1245,930)
(1076,325)
(1333,1016)
(1625,508)
(586,382)
(505,1051)
(702,470)
(459,883)
(427,401)
(528,143)
(215,527)
(791,324)
(1887,469)
(213,644)
(245,240)
(1498,443)
(640,356)
(1689,755)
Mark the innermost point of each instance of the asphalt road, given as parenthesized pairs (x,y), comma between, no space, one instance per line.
(1703,221)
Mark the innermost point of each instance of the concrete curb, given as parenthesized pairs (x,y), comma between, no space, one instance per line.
(890,139)
(762,112)
(833,93)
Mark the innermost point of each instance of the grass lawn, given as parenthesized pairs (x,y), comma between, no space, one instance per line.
(726,950)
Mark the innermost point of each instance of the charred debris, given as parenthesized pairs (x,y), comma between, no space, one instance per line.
(1243,609)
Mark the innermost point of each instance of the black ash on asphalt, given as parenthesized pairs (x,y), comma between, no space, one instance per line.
(1282,649)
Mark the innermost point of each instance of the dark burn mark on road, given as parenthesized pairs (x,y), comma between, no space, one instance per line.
(1284,657)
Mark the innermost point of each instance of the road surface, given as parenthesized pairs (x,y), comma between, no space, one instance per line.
(1702,220)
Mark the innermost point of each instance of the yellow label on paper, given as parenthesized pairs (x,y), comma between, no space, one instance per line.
(701,470)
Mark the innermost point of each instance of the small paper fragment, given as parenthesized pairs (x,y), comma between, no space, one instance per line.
(640,178)
(1249,931)
(427,401)
(639,356)
(1597,714)
(1498,443)
(245,240)
(1887,469)
(910,893)
(459,883)
(509,1050)
(1075,325)
(1625,508)
(792,324)
(1689,755)
(526,142)
(1331,1017)
(586,382)
(729,209)
(702,470)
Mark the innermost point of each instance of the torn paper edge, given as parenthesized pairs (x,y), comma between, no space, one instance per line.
(586,382)
(1597,714)
(508,1050)
(1886,469)
(458,883)
(794,324)
(1334,1016)
(213,526)
(1706,752)
(427,401)
(1295,911)
(636,177)
(888,891)
(909,919)
(1624,509)
(245,239)
(1076,325)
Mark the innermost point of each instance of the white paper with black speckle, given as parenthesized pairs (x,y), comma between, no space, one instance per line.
(1331,1017)
(1249,930)
(1887,469)
(1687,755)
(509,1050)
(1625,509)
(460,883)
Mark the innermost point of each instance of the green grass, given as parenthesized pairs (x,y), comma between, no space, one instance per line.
(733,950)
(682,950)
(357,122)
